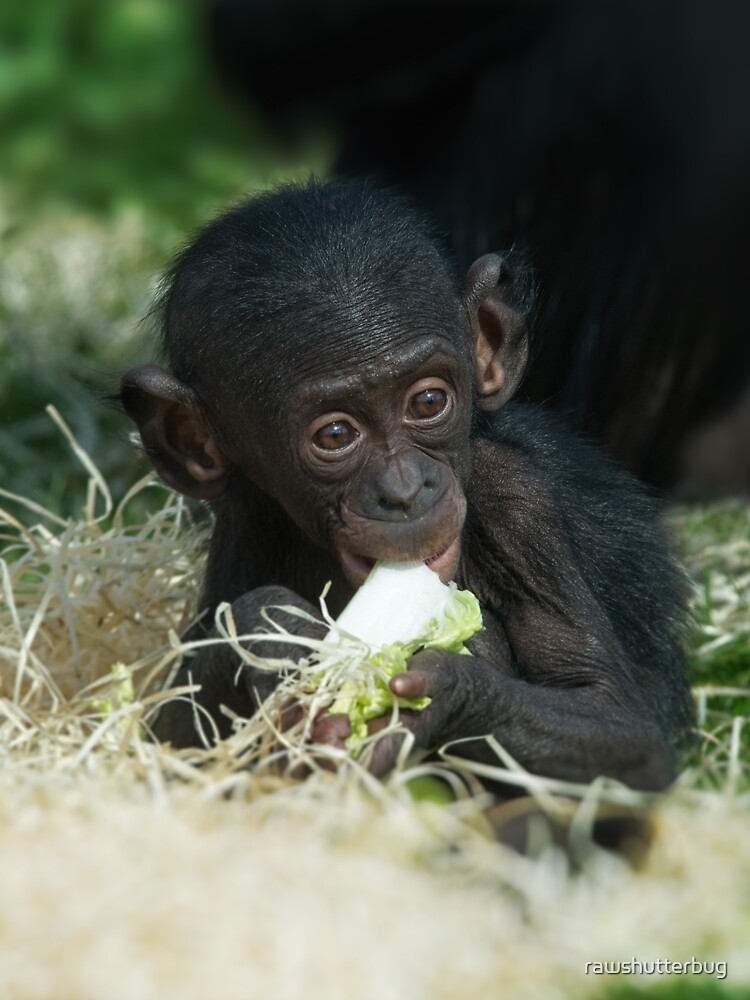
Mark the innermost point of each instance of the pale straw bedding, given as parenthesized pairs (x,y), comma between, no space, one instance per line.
(131,871)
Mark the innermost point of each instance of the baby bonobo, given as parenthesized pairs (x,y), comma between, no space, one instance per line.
(338,398)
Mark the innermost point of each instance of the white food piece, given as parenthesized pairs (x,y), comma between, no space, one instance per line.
(396,603)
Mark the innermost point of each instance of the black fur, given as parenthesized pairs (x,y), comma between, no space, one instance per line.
(610,140)
(326,290)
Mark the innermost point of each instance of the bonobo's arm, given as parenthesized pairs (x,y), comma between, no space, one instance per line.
(217,669)
(590,680)
(573,734)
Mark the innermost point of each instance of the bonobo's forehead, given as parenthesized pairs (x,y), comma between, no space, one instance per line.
(359,332)
(369,368)
(357,356)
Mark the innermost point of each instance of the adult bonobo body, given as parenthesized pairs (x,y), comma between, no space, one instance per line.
(338,400)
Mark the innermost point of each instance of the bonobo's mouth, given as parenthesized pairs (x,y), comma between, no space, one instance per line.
(445,563)
(357,568)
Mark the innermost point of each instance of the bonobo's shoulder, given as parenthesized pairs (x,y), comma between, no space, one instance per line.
(529,442)
(537,432)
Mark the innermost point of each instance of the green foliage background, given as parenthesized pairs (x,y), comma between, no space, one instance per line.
(117,141)
(112,105)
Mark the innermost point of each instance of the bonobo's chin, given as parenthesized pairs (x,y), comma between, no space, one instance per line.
(444,562)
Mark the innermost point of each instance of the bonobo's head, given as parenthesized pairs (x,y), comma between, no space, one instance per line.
(319,346)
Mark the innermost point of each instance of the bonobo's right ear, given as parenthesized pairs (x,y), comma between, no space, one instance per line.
(500,338)
(177,439)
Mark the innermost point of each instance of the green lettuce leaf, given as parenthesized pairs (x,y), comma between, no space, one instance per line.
(369,696)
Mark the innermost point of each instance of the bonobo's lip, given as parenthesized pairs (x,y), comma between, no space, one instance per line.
(356,568)
(444,563)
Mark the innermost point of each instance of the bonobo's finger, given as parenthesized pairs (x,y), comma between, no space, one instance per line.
(427,674)
(251,611)
(333,730)
(330,730)
(290,713)
(414,684)
(383,754)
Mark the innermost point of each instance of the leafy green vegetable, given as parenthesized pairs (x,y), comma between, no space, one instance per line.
(400,609)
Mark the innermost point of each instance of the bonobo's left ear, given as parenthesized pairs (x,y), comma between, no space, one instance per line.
(175,434)
(499,336)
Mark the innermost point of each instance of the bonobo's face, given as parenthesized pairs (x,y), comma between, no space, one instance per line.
(372,457)
(359,431)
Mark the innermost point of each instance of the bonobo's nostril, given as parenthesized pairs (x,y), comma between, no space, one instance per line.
(405,500)
(385,504)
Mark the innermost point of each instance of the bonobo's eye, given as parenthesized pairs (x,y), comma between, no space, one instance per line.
(429,402)
(335,436)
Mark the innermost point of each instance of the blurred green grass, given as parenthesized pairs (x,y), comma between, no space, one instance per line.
(117,142)
(107,106)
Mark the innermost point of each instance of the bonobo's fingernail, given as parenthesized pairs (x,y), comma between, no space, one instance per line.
(406,685)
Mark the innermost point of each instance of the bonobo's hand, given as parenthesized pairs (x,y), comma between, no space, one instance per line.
(331,730)
(327,730)
(227,681)
(466,693)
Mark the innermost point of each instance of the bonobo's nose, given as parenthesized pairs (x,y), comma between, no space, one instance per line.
(405,487)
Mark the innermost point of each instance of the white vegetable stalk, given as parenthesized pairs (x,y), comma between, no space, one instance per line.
(400,608)
(398,602)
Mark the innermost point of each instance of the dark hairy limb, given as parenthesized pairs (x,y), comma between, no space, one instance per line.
(224,678)
(574,734)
